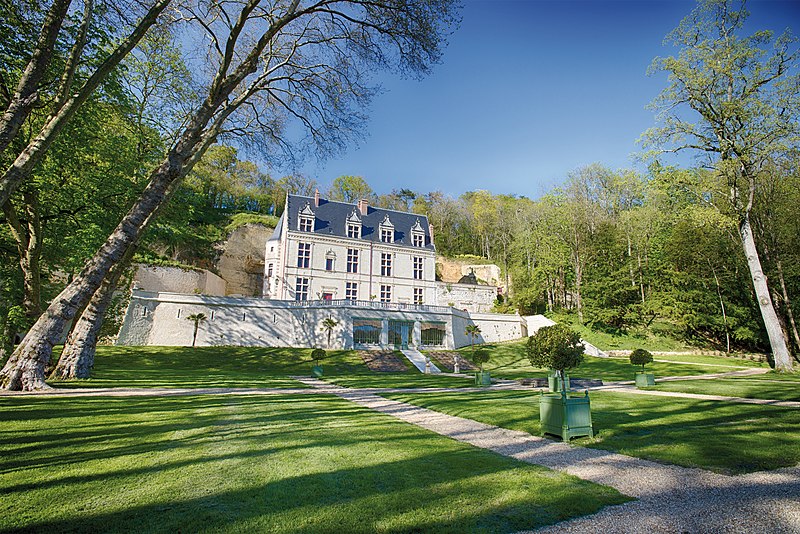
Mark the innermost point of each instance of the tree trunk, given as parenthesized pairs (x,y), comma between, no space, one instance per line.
(27,92)
(777,340)
(722,307)
(787,303)
(578,282)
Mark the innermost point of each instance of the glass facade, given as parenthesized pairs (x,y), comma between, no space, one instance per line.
(366,331)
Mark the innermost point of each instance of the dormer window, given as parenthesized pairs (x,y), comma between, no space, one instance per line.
(353,226)
(306,219)
(387,231)
(417,235)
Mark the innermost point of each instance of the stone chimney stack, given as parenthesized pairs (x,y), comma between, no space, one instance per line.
(430,231)
(316,198)
(363,205)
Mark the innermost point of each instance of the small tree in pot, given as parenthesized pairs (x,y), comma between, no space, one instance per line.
(316,356)
(643,357)
(479,357)
(559,348)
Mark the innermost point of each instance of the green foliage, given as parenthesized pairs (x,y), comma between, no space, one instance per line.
(555,347)
(641,357)
(350,189)
(317,355)
(241,219)
(480,357)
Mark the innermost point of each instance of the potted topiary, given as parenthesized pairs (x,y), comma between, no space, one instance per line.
(642,357)
(482,378)
(317,355)
(559,348)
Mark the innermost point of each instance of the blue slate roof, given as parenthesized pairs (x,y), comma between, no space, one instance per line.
(330,220)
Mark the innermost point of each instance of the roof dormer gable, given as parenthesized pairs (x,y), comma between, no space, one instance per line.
(305,219)
(307,211)
(387,222)
(417,227)
(353,218)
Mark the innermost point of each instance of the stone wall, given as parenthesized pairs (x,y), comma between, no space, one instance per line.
(469,297)
(241,263)
(177,280)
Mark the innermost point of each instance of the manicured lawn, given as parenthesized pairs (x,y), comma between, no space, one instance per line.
(720,436)
(657,337)
(200,367)
(508,360)
(260,464)
(737,387)
(412,379)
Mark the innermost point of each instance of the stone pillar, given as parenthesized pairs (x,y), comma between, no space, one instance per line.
(416,337)
(384,333)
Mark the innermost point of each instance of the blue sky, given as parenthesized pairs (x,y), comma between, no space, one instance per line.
(527,91)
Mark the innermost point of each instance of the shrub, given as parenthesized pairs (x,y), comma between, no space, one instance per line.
(480,357)
(317,355)
(555,347)
(641,357)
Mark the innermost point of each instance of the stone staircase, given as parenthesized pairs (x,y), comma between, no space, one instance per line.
(418,359)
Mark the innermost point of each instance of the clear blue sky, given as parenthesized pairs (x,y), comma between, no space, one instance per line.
(527,91)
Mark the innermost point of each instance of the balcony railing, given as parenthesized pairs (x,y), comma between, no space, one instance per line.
(371,304)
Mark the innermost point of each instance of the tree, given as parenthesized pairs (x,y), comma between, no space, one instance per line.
(308,61)
(744,99)
(473,331)
(480,357)
(641,357)
(350,189)
(328,324)
(196,318)
(555,347)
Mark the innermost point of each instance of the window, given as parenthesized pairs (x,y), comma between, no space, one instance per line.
(330,260)
(432,334)
(386,293)
(417,295)
(418,240)
(306,224)
(269,271)
(386,264)
(303,254)
(417,268)
(351,291)
(387,235)
(301,289)
(367,331)
(352,260)
(353,231)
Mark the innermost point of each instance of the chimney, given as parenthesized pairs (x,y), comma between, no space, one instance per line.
(316,198)
(363,205)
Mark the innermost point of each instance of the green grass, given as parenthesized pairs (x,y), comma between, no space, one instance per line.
(281,464)
(509,360)
(737,387)
(724,437)
(710,360)
(413,379)
(200,367)
(645,339)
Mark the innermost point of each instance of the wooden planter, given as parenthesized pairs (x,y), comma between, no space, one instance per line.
(316,371)
(565,416)
(483,378)
(644,380)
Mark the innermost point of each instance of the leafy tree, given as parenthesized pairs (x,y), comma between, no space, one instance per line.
(196,318)
(317,355)
(481,357)
(473,331)
(350,189)
(743,98)
(328,324)
(555,347)
(641,357)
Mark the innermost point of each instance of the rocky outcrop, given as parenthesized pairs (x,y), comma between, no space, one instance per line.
(241,263)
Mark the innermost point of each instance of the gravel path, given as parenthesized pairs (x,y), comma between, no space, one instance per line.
(669,498)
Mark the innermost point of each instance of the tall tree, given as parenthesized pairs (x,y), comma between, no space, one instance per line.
(350,189)
(744,99)
(304,60)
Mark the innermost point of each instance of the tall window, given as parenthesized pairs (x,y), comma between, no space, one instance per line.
(351,290)
(387,235)
(269,271)
(418,240)
(386,264)
(330,260)
(417,295)
(386,293)
(306,224)
(352,260)
(417,268)
(303,254)
(301,289)
(353,230)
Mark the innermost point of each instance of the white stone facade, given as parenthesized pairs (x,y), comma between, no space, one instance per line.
(468,297)
(191,281)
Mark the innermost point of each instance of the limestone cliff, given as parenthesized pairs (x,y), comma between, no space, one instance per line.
(241,263)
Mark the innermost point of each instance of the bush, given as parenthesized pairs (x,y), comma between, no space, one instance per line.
(641,357)
(317,355)
(555,347)
(480,357)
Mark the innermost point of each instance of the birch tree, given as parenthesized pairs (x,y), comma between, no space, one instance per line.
(734,100)
(272,64)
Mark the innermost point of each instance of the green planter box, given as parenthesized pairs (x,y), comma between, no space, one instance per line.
(565,416)
(316,371)
(483,379)
(644,380)
(554,383)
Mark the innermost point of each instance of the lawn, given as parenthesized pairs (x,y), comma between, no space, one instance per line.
(412,379)
(775,389)
(202,367)
(509,360)
(260,464)
(724,437)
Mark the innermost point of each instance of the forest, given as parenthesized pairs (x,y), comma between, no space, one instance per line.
(118,147)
